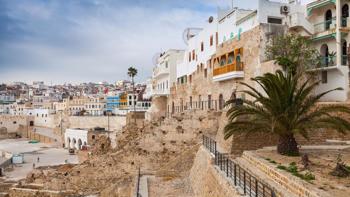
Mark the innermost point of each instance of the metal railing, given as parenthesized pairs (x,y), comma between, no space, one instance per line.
(325,25)
(137,191)
(326,61)
(250,185)
(210,144)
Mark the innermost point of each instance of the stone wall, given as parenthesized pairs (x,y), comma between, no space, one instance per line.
(14,124)
(206,180)
(25,192)
(158,108)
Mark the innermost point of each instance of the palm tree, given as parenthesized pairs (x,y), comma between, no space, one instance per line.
(132,72)
(285,107)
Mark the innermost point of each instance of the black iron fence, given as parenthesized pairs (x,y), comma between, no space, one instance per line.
(210,144)
(137,192)
(250,185)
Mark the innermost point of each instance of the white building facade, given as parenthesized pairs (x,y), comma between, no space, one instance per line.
(76,138)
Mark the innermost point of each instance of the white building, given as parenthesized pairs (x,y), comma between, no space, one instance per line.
(331,25)
(164,74)
(95,106)
(76,138)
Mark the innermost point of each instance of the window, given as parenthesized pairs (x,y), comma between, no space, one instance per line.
(231,57)
(324,77)
(274,20)
(189,56)
(202,46)
(205,73)
(193,55)
(166,64)
(14,122)
(216,38)
(211,40)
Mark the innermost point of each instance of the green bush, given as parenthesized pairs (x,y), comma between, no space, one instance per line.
(293,169)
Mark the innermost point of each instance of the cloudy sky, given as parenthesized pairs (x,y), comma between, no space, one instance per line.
(93,40)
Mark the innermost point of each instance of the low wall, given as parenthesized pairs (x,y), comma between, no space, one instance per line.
(287,182)
(24,192)
(206,180)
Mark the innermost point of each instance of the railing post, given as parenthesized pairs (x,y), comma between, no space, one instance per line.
(215,147)
(226,166)
(235,173)
(256,188)
(250,184)
(244,183)
(263,190)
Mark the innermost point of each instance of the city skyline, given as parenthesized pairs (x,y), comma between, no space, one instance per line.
(83,41)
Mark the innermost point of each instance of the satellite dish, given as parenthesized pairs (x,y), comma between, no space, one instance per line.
(211,19)
(189,33)
(155,58)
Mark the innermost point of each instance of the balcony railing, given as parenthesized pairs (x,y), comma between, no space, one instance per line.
(344,60)
(326,25)
(327,61)
(228,68)
(331,61)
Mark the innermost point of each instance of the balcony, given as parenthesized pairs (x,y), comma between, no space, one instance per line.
(160,71)
(326,63)
(319,4)
(298,20)
(229,71)
(325,29)
(161,92)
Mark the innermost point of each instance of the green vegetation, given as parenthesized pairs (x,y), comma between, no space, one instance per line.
(293,169)
(271,161)
(287,103)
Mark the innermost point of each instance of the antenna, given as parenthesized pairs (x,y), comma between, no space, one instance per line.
(232,4)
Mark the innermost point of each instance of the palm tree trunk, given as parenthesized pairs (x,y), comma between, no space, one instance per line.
(133,103)
(287,145)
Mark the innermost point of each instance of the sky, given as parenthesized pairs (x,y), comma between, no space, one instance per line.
(75,41)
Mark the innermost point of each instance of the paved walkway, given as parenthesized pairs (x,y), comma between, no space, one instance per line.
(48,156)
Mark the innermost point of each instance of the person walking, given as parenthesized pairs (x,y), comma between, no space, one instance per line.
(38,159)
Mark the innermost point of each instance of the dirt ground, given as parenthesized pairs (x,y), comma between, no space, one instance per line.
(322,164)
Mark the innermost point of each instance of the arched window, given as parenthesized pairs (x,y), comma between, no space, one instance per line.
(238,63)
(345,14)
(231,57)
(324,55)
(328,19)
(223,60)
(344,52)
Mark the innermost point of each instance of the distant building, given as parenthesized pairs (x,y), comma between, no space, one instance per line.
(78,138)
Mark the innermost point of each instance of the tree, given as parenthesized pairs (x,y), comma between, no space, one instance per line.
(132,72)
(284,108)
(294,53)
(287,104)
